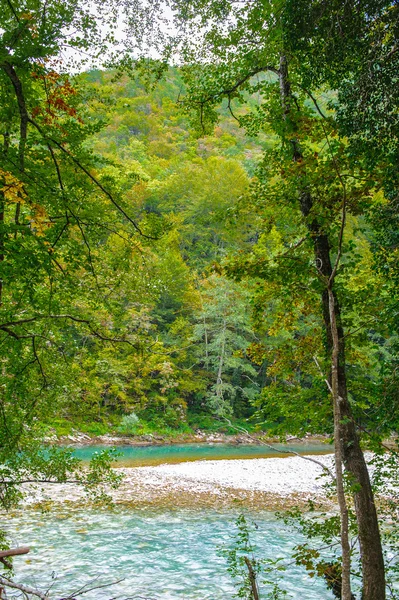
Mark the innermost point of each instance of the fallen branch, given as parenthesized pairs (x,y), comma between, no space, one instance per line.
(14,551)
(4,581)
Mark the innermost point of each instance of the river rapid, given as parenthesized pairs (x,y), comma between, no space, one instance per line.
(161,538)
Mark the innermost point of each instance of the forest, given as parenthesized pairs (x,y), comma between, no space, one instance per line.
(199,235)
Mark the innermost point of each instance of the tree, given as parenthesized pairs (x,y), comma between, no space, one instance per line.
(224,331)
(352,48)
(244,50)
(57,212)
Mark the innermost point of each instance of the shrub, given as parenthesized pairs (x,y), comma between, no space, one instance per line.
(129,424)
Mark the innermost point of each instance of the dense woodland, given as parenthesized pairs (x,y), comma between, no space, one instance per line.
(206,237)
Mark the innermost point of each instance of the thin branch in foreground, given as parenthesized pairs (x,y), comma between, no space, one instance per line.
(322,374)
(263,443)
(84,589)
(94,180)
(6,328)
(26,590)
(29,591)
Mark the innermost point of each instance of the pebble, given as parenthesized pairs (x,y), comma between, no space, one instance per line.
(279,476)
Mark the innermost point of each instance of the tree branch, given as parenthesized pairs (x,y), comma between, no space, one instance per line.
(23,112)
(13,11)
(263,443)
(23,588)
(92,178)
(6,327)
(25,119)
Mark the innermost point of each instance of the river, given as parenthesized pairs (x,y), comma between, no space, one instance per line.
(153,552)
(134,456)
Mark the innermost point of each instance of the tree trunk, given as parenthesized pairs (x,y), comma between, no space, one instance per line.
(345,433)
(346,593)
(369,535)
(219,381)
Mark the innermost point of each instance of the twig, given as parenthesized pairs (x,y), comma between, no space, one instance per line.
(13,11)
(6,327)
(314,102)
(263,443)
(252,578)
(34,349)
(82,590)
(23,588)
(92,178)
(231,111)
(328,384)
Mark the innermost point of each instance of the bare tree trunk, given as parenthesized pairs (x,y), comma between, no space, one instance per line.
(219,380)
(205,332)
(346,593)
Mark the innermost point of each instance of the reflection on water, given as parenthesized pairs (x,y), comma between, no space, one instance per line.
(154,455)
(159,554)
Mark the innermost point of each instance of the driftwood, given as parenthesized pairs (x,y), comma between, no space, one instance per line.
(14,551)
(4,554)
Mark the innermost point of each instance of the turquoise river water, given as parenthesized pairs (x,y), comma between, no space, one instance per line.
(168,554)
(151,553)
(175,453)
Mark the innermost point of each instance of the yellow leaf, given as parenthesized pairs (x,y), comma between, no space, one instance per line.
(12,188)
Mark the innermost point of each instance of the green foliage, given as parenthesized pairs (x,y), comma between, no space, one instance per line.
(149,271)
(245,568)
(193,199)
(56,217)
(386,487)
(320,321)
(224,331)
(129,424)
(321,554)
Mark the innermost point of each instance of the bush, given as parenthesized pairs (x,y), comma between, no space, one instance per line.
(129,424)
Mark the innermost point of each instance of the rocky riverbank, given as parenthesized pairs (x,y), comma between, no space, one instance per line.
(77,438)
(271,483)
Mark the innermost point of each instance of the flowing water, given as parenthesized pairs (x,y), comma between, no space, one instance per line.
(132,456)
(168,554)
(153,552)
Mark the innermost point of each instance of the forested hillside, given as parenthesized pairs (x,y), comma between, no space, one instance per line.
(205,344)
(190,328)
(199,330)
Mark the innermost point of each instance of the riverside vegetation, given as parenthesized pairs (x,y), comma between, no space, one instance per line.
(218,239)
